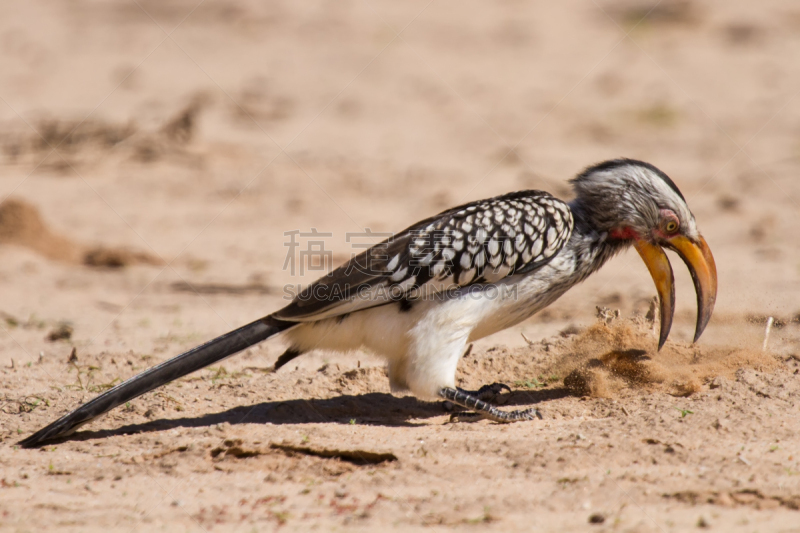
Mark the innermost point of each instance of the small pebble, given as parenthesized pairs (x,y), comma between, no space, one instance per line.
(597,518)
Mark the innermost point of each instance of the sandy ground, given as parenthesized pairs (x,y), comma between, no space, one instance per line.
(153,154)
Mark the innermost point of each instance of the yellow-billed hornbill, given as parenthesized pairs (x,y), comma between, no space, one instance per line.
(418,298)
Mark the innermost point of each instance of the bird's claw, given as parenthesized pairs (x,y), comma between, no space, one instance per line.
(489,393)
(472,416)
(467,416)
(479,409)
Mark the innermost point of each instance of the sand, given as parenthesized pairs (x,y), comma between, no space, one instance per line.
(154,155)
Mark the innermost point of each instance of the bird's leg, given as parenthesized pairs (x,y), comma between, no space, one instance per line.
(487,393)
(288,355)
(485,410)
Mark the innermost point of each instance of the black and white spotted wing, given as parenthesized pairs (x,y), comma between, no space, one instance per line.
(477,243)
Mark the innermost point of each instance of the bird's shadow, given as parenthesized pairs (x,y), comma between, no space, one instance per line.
(378,409)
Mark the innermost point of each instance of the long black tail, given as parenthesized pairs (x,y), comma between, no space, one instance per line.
(186,363)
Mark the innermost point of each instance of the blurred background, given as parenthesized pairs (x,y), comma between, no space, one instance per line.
(154,154)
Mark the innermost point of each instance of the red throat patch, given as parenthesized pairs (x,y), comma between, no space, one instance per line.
(624,233)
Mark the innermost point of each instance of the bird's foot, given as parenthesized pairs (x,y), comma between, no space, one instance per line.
(487,393)
(484,410)
(467,416)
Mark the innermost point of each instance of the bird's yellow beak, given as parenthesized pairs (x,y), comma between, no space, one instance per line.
(698,258)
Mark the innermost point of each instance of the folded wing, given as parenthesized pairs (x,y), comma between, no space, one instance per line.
(470,245)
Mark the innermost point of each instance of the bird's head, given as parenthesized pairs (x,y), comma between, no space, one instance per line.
(633,202)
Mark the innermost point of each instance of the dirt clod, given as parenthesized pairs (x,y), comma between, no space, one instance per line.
(118,257)
(22,225)
(357,457)
(596,518)
(62,332)
(634,363)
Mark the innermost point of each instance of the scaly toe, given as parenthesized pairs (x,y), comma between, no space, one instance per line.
(490,393)
(467,416)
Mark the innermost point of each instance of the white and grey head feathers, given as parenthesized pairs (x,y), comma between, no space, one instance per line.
(630,192)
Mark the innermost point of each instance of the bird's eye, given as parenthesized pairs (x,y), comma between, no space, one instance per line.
(671,226)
